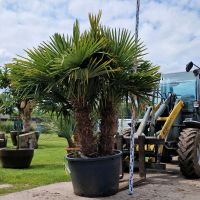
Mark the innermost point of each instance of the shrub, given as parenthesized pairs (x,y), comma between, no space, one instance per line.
(6,126)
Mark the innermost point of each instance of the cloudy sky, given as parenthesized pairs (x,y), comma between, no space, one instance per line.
(170,29)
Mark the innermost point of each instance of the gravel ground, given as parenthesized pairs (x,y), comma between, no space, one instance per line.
(168,185)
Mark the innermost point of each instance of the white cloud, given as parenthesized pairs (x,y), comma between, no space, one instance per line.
(171,34)
(25,24)
(111,8)
(170,29)
(4,56)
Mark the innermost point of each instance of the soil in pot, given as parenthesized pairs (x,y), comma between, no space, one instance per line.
(16,158)
(95,177)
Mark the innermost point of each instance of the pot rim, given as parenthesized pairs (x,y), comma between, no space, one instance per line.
(116,154)
(9,149)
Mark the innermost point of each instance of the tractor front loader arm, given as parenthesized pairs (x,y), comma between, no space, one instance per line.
(169,121)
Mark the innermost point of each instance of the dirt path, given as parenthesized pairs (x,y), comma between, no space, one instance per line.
(169,185)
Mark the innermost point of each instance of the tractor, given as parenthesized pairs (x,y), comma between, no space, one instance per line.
(171,126)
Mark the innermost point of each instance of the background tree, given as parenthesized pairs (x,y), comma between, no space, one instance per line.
(10,100)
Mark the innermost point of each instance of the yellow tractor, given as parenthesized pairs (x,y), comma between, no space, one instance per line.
(172,126)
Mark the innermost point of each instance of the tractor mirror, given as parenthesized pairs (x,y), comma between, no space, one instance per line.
(189,66)
(196,72)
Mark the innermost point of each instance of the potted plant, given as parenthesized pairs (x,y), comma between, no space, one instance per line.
(16,157)
(93,71)
(11,101)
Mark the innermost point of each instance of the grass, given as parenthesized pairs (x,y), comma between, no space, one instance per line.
(47,166)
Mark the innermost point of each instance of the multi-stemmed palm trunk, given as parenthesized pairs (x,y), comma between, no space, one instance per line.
(108,128)
(70,142)
(84,128)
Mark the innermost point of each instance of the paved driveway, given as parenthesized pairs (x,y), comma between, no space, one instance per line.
(169,185)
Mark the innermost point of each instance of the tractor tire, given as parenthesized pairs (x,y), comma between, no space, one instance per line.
(189,152)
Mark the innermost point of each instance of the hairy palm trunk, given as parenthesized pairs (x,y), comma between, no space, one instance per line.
(85,130)
(76,137)
(108,128)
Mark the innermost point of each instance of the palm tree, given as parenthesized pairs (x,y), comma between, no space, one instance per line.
(65,126)
(126,54)
(125,83)
(71,64)
(92,71)
(120,87)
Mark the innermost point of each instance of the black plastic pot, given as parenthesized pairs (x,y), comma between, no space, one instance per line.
(95,177)
(16,158)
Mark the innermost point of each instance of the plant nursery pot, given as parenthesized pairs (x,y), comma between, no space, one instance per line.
(16,158)
(95,177)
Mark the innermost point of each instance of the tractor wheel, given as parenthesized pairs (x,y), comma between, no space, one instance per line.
(189,152)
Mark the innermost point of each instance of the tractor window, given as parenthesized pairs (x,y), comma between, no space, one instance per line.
(182,84)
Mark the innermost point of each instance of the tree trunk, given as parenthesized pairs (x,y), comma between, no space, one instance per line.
(85,130)
(108,128)
(70,142)
(76,137)
(26,110)
(26,125)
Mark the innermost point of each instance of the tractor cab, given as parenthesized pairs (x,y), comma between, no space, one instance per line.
(185,85)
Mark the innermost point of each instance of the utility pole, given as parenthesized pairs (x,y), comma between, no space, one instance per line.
(132,142)
(137,19)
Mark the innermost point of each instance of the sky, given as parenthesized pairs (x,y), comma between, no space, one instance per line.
(170,29)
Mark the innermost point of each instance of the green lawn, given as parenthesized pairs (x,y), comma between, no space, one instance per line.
(47,166)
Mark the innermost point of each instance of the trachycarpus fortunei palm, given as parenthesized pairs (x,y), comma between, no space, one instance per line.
(93,71)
